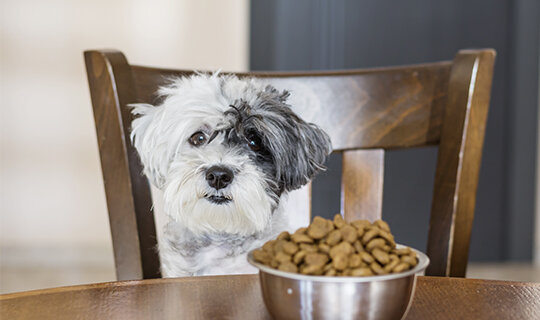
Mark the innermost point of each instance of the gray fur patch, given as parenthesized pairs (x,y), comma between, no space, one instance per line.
(292,150)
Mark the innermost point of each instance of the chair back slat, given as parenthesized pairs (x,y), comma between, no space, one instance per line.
(362,184)
(380,108)
(127,191)
(458,163)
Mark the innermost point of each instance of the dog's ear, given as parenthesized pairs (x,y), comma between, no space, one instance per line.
(145,139)
(307,155)
(299,149)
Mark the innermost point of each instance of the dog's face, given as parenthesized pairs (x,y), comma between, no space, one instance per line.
(223,150)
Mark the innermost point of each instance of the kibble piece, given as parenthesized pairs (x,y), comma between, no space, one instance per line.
(316,259)
(330,272)
(346,273)
(313,269)
(338,221)
(288,266)
(323,247)
(366,257)
(327,267)
(268,246)
(391,265)
(334,237)
(358,246)
(282,257)
(340,261)
(301,238)
(361,272)
(278,246)
(394,261)
(343,247)
(382,225)
(360,224)
(370,234)
(349,234)
(284,236)
(299,257)
(402,251)
(301,230)
(388,237)
(262,256)
(290,248)
(380,256)
(318,228)
(375,243)
(309,247)
(402,266)
(376,268)
(355,261)
(330,224)
(274,263)
(410,260)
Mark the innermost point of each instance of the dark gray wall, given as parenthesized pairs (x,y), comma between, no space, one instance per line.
(522,85)
(319,34)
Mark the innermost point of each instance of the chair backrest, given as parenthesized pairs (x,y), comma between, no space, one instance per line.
(363,111)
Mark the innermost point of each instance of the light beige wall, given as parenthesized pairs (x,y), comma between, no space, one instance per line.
(51,191)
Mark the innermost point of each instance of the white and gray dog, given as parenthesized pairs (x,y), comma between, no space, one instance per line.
(224,151)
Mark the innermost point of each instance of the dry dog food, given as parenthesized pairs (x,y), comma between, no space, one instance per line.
(337,248)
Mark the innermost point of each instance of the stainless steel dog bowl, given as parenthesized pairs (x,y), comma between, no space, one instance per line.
(296,296)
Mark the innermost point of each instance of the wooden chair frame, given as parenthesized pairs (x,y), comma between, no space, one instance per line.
(364,112)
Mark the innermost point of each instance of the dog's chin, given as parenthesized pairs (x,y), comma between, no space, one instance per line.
(218,213)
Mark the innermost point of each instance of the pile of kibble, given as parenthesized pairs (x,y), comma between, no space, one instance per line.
(337,248)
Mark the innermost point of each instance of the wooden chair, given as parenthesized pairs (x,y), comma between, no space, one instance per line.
(363,111)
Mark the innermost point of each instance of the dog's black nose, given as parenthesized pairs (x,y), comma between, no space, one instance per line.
(219,177)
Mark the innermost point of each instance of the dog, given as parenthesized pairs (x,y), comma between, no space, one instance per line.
(224,151)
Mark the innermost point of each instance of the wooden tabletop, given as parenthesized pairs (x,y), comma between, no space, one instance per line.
(239,297)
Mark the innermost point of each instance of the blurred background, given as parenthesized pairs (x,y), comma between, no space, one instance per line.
(53,218)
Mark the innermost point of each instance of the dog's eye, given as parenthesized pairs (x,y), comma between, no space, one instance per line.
(197,139)
(254,142)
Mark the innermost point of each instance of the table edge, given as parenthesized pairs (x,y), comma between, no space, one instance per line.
(128,283)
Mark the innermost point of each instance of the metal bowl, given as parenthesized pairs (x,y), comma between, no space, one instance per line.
(296,296)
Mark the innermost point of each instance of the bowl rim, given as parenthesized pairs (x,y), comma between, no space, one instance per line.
(423,262)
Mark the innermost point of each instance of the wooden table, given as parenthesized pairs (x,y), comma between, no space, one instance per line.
(239,297)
